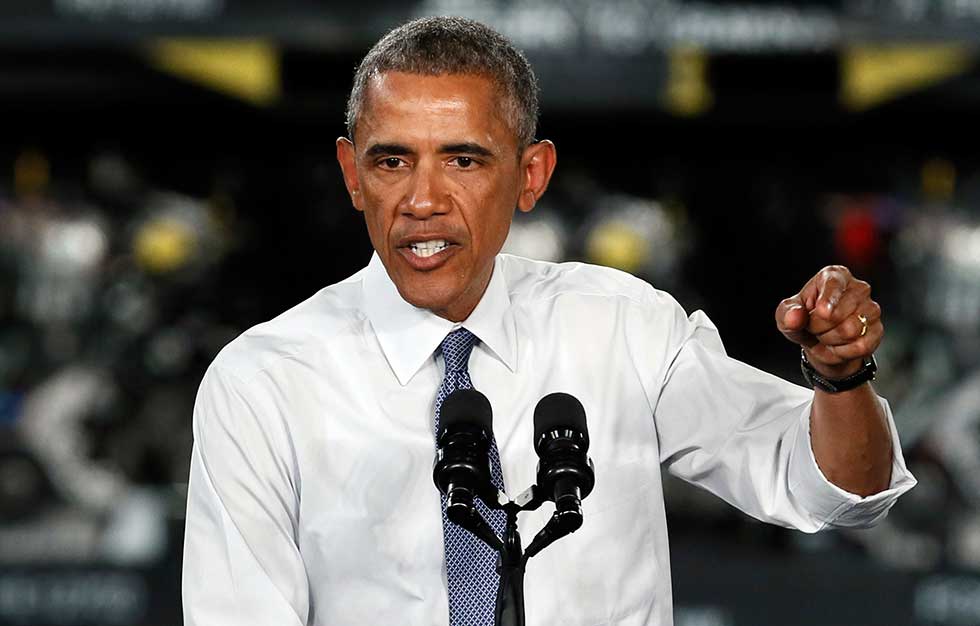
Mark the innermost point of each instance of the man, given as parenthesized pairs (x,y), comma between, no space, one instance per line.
(311,499)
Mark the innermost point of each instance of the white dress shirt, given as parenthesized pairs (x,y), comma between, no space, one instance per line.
(311,498)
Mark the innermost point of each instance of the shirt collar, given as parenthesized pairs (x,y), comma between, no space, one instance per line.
(409,335)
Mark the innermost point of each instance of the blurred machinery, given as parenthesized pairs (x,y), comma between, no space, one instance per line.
(638,235)
(101,345)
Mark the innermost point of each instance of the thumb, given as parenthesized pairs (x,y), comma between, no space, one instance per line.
(795,317)
(792,319)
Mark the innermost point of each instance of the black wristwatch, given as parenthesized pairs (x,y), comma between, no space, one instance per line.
(835,385)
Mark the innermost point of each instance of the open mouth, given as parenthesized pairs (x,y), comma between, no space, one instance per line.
(425,249)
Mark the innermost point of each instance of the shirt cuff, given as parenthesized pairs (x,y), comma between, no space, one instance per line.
(832,506)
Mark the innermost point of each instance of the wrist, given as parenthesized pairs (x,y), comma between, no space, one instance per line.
(837,370)
(836,383)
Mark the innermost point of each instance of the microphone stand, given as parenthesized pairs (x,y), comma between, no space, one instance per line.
(509,610)
(565,472)
(512,559)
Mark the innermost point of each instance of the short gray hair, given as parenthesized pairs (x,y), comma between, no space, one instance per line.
(433,46)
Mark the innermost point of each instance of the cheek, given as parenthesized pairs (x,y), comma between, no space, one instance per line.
(491,229)
(377,228)
(376,209)
(491,201)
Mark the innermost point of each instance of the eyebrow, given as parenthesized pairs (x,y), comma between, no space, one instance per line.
(380,149)
(466,148)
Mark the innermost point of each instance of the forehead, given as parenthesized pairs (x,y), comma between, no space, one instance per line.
(460,106)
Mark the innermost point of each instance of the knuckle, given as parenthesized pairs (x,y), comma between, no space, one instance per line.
(833,357)
(866,345)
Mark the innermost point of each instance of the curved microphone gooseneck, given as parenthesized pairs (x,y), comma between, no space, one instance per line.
(565,476)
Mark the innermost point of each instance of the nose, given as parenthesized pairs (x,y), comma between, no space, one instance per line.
(426,195)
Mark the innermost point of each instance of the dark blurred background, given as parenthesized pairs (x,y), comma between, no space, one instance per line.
(167,180)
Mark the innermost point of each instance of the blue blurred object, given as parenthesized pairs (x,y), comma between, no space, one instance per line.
(10,405)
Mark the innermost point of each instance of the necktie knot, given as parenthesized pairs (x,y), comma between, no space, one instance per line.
(456,348)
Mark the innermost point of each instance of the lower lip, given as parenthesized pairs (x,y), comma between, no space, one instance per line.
(427,263)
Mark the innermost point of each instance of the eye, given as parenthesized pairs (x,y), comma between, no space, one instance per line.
(463,162)
(391,163)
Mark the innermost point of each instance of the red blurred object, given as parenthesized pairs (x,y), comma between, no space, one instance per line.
(858,238)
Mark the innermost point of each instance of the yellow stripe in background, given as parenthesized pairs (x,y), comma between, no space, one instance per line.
(873,75)
(248,69)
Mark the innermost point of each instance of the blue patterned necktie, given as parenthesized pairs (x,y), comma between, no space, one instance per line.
(470,563)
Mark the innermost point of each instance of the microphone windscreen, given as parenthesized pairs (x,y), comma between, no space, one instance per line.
(558,411)
(466,406)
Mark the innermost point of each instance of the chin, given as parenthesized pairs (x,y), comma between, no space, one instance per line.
(433,300)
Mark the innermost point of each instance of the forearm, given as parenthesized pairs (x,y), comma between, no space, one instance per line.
(850,440)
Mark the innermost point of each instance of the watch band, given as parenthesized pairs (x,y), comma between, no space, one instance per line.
(835,385)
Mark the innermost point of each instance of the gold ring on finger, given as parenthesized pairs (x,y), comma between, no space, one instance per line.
(864,325)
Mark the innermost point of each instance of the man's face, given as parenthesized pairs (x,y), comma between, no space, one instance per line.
(436,170)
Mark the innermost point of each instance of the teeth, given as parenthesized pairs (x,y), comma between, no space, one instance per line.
(428,248)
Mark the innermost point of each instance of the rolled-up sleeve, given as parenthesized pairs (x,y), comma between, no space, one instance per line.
(241,564)
(744,435)
(834,505)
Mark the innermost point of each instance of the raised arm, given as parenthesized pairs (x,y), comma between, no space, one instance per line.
(744,434)
(839,327)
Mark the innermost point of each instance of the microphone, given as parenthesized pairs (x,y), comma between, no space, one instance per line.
(461,469)
(566,474)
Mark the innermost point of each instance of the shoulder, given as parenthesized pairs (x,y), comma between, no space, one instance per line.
(314,324)
(530,281)
(594,297)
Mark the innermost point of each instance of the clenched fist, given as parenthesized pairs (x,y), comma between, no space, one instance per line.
(834,319)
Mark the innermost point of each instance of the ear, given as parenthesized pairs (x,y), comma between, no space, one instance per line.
(347,158)
(537,164)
